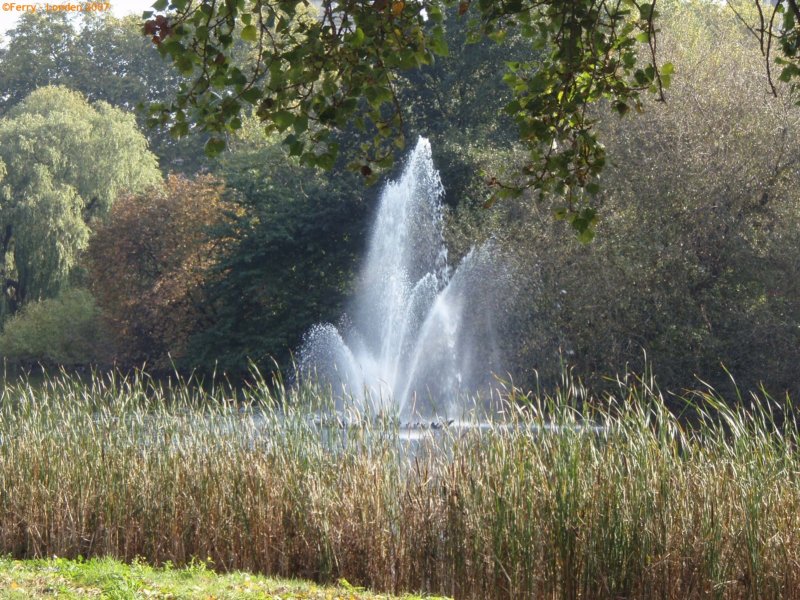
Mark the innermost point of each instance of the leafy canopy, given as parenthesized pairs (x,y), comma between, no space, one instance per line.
(149,261)
(310,73)
(289,257)
(103,58)
(65,161)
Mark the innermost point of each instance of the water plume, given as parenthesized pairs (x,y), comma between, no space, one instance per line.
(419,335)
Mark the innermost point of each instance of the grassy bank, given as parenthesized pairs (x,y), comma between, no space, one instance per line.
(649,507)
(107,578)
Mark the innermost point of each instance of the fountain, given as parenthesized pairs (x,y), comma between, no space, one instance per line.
(419,336)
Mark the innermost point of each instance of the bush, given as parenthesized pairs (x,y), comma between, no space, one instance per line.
(65,330)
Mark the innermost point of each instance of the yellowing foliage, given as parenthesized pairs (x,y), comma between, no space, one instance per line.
(148,264)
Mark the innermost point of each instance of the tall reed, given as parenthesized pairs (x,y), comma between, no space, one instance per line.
(557,496)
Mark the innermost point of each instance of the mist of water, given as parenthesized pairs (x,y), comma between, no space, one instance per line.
(419,335)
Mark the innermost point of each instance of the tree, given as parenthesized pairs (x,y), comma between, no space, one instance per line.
(102,57)
(149,262)
(310,76)
(290,258)
(775,24)
(36,53)
(66,162)
(457,102)
(63,331)
(696,259)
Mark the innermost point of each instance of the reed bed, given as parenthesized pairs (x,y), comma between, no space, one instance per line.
(705,504)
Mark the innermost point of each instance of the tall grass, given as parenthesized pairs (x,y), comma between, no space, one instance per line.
(536,504)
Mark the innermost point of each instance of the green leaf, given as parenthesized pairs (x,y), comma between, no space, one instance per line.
(583,222)
(179,129)
(438,43)
(236,77)
(252,95)
(586,236)
(184,64)
(301,123)
(357,38)
(214,146)
(160,5)
(250,33)
(377,95)
(666,74)
(629,58)
(326,161)
(283,119)
(498,36)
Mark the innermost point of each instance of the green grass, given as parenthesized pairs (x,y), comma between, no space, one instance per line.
(110,579)
(701,505)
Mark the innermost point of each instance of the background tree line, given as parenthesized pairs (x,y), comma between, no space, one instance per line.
(207,263)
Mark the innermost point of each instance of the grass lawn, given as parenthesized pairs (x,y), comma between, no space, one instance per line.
(107,578)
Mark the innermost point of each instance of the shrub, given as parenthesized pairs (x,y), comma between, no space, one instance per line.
(65,330)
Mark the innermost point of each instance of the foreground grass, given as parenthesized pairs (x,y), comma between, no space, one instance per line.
(648,506)
(108,578)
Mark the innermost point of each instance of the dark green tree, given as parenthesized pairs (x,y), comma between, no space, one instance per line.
(292,253)
(457,102)
(39,51)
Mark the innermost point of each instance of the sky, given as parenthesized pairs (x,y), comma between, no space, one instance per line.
(9,15)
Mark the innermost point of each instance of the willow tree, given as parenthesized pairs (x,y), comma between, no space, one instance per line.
(65,162)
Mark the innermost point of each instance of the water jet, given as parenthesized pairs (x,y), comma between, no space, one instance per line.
(419,336)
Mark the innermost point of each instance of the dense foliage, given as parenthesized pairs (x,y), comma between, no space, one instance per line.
(63,331)
(290,258)
(607,490)
(103,58)
(65,161)
(310,75)
(698,218)
(694,262)
(149,262)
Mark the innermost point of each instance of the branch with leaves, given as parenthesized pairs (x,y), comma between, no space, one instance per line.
(311,73)
(777,23)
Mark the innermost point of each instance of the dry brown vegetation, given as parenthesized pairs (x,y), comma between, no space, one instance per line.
(648,507)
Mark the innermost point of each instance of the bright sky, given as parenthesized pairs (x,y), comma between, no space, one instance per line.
(9,13)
